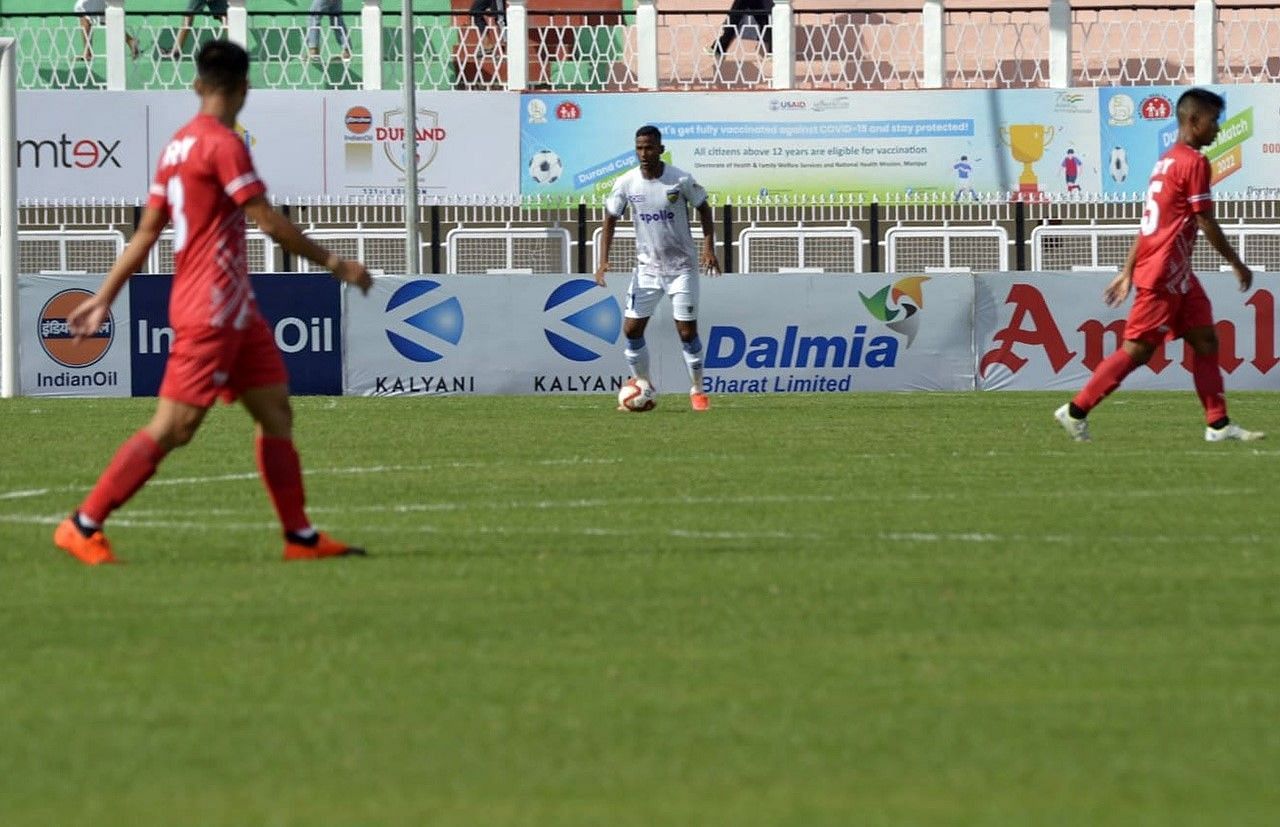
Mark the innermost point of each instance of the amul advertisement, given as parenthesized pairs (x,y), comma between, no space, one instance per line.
(950,144)
(1139,124)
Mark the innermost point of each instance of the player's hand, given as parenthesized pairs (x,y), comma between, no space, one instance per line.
(87,317)
(1118,290)
(353,272)
(1243,275)
(710,264)
(600,271)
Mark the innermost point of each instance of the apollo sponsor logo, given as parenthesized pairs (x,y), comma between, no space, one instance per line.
(651,217)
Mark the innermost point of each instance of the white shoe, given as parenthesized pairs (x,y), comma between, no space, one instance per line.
(1077,429)
(1230,432)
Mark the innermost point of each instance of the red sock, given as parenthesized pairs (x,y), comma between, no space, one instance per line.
(1105,379)
(134,463)
(282,475)
(1208,379)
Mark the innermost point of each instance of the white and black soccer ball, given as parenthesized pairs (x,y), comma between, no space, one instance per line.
(545,166)
(637,396)
(1119,165)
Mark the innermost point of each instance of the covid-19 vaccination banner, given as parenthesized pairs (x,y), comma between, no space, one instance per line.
(1138,125)
(956,143)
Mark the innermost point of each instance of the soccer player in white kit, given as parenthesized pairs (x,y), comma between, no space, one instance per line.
(667,260)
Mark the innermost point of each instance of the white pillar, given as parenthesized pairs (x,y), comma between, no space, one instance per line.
(1206,20)
(934,45)
(782,21)
(517,46)
(237,23)
(371,43)
(1060,74)
(647,44)
(114,14)
(8,218)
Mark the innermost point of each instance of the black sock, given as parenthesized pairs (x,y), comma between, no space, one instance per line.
(84,529)
(1219,424)
(1076,411)
(302,541)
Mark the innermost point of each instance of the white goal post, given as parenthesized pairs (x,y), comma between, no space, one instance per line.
(8,218)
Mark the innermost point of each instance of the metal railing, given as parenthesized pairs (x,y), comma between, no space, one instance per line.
(611,50)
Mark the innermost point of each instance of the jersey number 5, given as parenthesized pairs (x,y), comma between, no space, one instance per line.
(1151,210)
(176,214)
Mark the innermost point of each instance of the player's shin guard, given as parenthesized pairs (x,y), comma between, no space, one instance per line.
(637,358)
(693,361)
(1208,381)
(134,463)
(1105,379)
(281,472)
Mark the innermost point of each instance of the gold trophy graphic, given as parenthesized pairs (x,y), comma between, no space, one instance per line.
(1027,142)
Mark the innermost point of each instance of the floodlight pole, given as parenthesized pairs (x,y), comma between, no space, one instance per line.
(411,251)
(8,218)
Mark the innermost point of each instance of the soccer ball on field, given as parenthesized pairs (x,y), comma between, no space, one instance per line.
(545,166)
(637,396)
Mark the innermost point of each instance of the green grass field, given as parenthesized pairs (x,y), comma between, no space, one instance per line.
(872,609)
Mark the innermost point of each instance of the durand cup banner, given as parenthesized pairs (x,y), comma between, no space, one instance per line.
(521,334)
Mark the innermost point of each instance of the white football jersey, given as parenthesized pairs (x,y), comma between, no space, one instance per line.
(660,209)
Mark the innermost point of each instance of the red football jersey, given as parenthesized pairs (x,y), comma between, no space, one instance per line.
(1179,189)
(203,178)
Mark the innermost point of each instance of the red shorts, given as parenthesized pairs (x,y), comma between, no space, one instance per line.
(206,363)
(1158,315)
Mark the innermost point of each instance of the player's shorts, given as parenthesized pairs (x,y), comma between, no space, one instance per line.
(208,363)
(1158,315)
(216,7)
(646,291)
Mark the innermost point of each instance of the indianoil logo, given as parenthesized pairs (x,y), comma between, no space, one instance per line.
(55,333)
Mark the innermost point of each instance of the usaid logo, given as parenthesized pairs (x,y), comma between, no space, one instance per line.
(419,321)
(579,320)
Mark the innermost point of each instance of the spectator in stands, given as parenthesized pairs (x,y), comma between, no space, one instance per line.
(217,8)
(93,11)
(332,8)
(490,37)
(745,16)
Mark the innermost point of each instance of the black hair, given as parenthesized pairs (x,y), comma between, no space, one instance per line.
(650,130)
(1199,100)
(222,65)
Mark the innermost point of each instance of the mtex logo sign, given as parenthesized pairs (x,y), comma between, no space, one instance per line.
(422,324)
(580,321)
(304,312)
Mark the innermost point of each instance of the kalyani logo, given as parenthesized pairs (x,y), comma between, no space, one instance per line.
(1033,331)
(581,322)
(423,325)
(897,306)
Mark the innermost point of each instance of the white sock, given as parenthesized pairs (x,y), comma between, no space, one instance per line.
(693,361)
(637,358)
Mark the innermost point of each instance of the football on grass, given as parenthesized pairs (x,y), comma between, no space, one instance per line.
(637,395)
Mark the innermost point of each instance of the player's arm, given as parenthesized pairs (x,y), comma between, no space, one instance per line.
(710,264)
(89,314)
(285,233)
(1218,240)
(606,241)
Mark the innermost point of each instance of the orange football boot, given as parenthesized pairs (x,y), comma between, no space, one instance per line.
(93,550)
(324,546)
(700,401)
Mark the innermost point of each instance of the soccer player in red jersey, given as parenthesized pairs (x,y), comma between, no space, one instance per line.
(205,185)
(1170,302)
